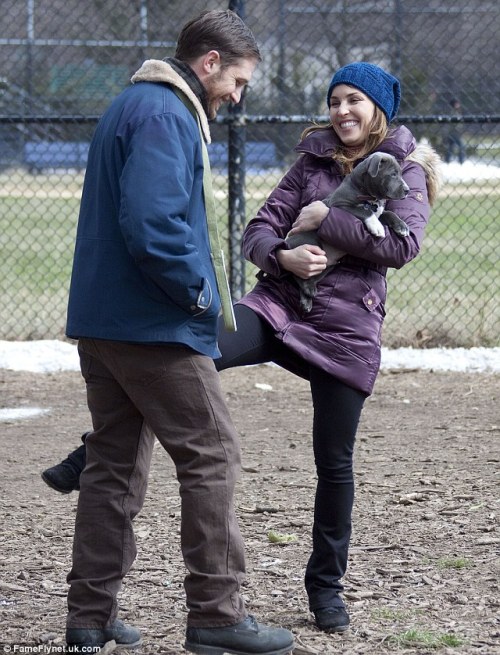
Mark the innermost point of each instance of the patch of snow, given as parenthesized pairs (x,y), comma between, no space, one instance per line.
(52,356)
(47,356)
(12,413)
(469,171)
(443,359)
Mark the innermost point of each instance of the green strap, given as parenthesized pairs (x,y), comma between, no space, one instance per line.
(216,250)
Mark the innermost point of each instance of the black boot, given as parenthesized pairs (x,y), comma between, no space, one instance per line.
(245,638)
(90,640)
(332,619)
(65,477)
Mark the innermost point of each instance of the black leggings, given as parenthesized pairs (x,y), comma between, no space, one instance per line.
(337,409)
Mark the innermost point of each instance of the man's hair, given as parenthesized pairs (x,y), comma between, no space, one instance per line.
(222,30)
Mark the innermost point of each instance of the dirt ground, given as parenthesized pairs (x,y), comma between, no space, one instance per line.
(424,566)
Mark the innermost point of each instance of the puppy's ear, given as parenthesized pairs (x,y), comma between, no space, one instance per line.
(374,165)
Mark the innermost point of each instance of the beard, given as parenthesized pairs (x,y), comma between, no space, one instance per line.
(214,97)
(212,109)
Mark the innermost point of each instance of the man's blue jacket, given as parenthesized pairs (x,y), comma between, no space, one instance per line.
(142,268)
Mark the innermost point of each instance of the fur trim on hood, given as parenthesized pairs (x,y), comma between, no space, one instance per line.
(156,70)
(428,158)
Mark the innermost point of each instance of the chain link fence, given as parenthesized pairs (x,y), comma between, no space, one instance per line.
(64,60)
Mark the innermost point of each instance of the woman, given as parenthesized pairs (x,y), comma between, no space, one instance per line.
(336,346)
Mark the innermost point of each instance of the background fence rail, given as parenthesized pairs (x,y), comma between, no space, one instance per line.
(63,61)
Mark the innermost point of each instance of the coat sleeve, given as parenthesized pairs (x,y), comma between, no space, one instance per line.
(266,233)
(349,234)
(159,188)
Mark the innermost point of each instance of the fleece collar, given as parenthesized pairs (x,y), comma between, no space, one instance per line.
(156,70)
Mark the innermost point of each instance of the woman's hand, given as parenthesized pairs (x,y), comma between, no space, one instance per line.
(304,261)
(310,218)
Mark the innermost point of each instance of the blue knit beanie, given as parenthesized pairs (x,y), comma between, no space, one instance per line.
(381,87)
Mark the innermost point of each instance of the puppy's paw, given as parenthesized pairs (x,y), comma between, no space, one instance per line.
(380,208)
(396,224)
(374,226)
(306,305)
(402,230)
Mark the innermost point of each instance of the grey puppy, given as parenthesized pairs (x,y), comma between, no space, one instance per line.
(362,193)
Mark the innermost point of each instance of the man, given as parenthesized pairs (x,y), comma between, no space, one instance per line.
(143,305)
(454,142)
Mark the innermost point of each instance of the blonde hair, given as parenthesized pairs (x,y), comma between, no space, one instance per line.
(346,157)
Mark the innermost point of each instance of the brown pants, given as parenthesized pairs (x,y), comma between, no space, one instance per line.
(135,391)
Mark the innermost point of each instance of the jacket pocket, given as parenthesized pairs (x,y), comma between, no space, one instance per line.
(354,314)
(372,301)
(204,299)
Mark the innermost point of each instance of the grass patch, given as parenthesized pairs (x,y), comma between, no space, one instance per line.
(453,278)
(416,638)
(454,563)
(390,614)
(36,250)
(419,637)
(447,296)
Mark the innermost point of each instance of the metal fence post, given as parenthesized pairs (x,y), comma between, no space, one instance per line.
(236,184)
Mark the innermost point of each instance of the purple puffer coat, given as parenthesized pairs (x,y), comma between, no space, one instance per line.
(342,332)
